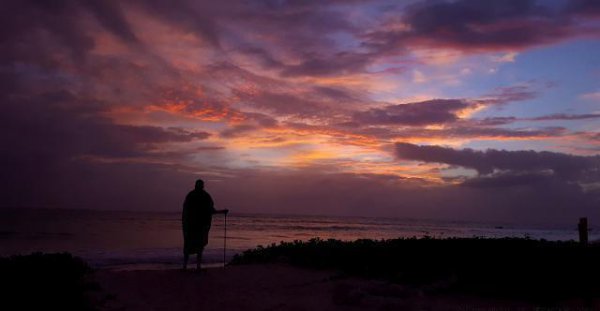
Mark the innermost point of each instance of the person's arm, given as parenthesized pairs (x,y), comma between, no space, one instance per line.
(212,206)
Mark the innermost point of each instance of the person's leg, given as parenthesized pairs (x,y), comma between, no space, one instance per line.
(199,262)
(186,257)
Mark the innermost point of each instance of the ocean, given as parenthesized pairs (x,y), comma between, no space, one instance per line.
(127,239)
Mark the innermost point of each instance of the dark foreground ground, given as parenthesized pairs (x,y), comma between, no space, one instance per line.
(403,274)
(533,270)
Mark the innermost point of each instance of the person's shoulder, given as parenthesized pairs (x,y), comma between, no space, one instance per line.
(206,196)
(191,195)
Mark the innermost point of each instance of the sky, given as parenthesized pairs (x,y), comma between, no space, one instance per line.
(461,110)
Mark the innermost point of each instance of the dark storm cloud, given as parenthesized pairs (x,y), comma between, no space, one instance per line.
(434,111)
(483,25)
(524,183)
(471,23)
(565,166)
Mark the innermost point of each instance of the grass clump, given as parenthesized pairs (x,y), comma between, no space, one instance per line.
(522,268)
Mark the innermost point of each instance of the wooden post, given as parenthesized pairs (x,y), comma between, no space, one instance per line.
(583,230)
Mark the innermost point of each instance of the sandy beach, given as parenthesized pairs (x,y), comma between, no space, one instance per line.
(270,287)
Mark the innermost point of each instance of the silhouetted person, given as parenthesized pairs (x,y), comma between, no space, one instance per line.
(583,230)
(196,219)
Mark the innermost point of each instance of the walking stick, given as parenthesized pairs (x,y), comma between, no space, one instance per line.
(225,242)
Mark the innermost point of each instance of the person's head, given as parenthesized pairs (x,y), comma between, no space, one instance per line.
(199,184)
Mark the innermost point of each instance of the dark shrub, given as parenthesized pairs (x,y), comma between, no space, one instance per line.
(43,282)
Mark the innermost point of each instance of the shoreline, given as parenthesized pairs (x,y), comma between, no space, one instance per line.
(153,267)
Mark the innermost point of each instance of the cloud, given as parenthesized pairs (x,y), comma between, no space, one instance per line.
(595,96)
(584,7)
(41,28)
(472,25)
(198,18)
(505,58)
(63,126)
(448,111)
(566,117)
(121,105)
(304,38)
(210,148)
(504,95)
(507,180)
(543,185)
(482,133)
(298,102)
(238,130)
(110,15)
(434,111)
(565,166)
(496,121)
(338,64)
